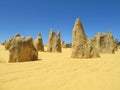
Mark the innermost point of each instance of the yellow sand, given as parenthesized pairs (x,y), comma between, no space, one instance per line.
(56,71)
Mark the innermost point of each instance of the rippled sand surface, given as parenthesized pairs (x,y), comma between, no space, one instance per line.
(57,71)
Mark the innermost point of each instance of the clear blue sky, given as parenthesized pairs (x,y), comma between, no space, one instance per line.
(28,17)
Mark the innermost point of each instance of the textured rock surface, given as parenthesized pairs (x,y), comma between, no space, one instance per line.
(82,47)
(105,43)
(22,49)
(8,43)
(54,42)
(38,43)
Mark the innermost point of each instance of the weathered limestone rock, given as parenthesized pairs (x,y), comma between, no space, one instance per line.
(22,50)
(54,42)
(8,43)
(63,44)
(58,43)
(51,41)
(38,43)
(82,47)
(105,43)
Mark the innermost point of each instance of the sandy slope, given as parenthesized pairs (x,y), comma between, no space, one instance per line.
(60,72)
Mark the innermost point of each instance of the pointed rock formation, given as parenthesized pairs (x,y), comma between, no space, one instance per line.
(105,43)
(82,47)
(22,50)
(54,42)
(51,38)
(58,43)
(38,43)
(78,33)
(8,43)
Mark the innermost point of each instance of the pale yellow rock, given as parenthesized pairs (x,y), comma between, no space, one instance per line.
(62,44)
(54,42)
(22,50)
(8,43)
(105,43)
(38,43)
(82,46)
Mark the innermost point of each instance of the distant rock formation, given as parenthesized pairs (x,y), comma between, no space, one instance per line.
(58,42)
(8,43)
(63,44)
(3,43)
(105,43)
(38,43)
(22,50)
(54,42)
(82,47)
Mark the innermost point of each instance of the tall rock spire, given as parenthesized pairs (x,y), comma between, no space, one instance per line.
(81,45)
(79,35)
(38,43)
(54,42)
(58,42)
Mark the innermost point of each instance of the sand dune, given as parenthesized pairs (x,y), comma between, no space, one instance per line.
(57,71)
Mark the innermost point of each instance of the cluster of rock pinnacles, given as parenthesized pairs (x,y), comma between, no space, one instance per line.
(54,42)
(26,49)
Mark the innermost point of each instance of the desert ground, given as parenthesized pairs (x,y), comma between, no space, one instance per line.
(58,71)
